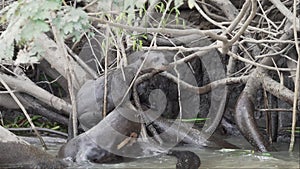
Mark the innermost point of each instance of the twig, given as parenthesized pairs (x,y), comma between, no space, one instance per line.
(275,110)
(272,54)
(105,73)
(287,13)
(269,21)
(297,81)
(258,64)
(238,18)
(150,9)
(243,28)
(162,30)
(213,15)
(30,88)
(206,88)
(57,61)
(179,94)
(208,18)
(81,63)
(153,42)
(36,108)
(90,4)
(277,89)
(267,116)
(40,129)
(5,92)
(1,119)
(70,76)
(92,50)
(181,48)
(227,7)
(24,111)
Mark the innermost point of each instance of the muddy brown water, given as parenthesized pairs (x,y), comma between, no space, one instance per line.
(224,158)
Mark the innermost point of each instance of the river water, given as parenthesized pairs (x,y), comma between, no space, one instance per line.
(224,158)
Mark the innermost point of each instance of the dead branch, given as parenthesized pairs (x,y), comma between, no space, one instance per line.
(21,85)
(58,61)
(24,112)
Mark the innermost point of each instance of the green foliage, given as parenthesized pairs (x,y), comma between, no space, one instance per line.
(33,28)
(297,130)
(27,19)
(38,121)
(195,120)
(137,43)
(160,7)
(32,15)
(71,22)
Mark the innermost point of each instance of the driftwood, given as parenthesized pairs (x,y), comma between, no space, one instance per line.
(19,153)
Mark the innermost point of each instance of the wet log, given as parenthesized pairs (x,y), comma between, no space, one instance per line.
(244,111)
(16,153)
(244,118)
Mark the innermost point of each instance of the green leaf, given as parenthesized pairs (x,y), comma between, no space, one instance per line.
(266,154)
(52,4)
(29,9)
(34,28)
(160,7)
(68,28)
(78,26)
(41,15)
(35,117)
(55,128)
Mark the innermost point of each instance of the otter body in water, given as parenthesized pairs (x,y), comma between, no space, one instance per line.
(100,143)
(106,142)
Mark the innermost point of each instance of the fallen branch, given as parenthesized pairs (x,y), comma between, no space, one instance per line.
(39,129)
(21,85)
(58,61)
(24,111)
(206,88)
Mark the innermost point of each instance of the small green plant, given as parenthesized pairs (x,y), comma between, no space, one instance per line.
(71,22)
(297,130)
(160,7)
(21,122)
(137,42)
